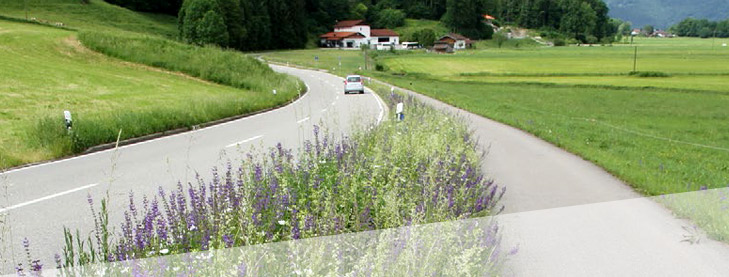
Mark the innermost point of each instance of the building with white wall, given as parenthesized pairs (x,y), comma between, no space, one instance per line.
(355,33)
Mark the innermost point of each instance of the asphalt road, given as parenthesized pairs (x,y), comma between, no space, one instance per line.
(569,217)
(40,200)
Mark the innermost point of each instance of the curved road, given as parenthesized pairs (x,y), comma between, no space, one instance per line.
(569,217)
(40,200)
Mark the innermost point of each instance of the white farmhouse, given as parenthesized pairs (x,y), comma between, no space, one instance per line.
(355,33)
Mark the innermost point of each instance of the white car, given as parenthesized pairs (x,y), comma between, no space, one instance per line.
(353,83)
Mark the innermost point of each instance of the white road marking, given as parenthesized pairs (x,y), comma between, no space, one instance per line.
(379,103)
(46,198)
(303,120)
(244,141)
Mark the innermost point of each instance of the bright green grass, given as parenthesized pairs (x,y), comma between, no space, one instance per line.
(98,15)
(658,141)
(413,25)
(685,82)
(676,59)
(46,70)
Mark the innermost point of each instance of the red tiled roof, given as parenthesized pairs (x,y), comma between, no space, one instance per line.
(383,33)
(341,35)
(348,23)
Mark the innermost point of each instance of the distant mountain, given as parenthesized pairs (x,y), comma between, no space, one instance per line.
(664,13)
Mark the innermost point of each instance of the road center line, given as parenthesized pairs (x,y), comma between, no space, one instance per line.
(46,198)
(303,120)
(244,141)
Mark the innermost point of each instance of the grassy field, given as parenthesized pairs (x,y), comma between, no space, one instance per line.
(97,15)
(46,71)
(660,135)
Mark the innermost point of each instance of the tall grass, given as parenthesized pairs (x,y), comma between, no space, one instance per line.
(227,67)
(425,169)
(213,64)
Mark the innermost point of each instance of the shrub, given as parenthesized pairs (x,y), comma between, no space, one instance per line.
(426,37)
(649,74)
(201,23)
(390,18)
(559,42)
(499,39)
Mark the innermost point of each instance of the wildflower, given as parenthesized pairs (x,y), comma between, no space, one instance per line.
(164,251)
(281,222)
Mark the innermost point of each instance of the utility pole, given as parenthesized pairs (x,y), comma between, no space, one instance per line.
(635,60)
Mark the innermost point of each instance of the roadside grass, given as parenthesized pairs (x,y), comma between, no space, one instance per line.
(46,71)
(97,15)
(227,67)
(644,136)
(660,135)
(328,59)
(391,175)
(708,209)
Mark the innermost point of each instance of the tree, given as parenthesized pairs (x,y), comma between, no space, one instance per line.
(201,22)
(499,38)
(648,30)
(425,37)
(466,17)
(390,18)
(579,20)
(359,11)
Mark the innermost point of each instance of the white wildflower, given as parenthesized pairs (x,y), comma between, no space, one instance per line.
(164,251)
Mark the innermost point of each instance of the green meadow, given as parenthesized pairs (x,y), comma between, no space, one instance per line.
(661,135)
(48,70)
(97,15)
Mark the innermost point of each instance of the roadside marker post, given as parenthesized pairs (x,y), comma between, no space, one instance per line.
(68,120)
(399,111)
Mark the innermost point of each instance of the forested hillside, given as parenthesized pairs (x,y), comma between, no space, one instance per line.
(665,13)
(251,25)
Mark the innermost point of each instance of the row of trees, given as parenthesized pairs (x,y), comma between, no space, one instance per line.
(585,20)
(244,24)
(276,24)
(170,7)
(703,28)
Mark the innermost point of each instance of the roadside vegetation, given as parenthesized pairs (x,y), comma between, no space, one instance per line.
(662,130)
(105,95)
(397,173)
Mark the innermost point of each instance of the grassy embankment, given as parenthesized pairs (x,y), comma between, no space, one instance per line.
(97,15)
(47,70)
(660,135)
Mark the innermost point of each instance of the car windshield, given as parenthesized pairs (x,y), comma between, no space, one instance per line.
(354,79)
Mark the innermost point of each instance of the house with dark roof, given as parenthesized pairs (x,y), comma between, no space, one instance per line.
(355,33)
(456,41)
